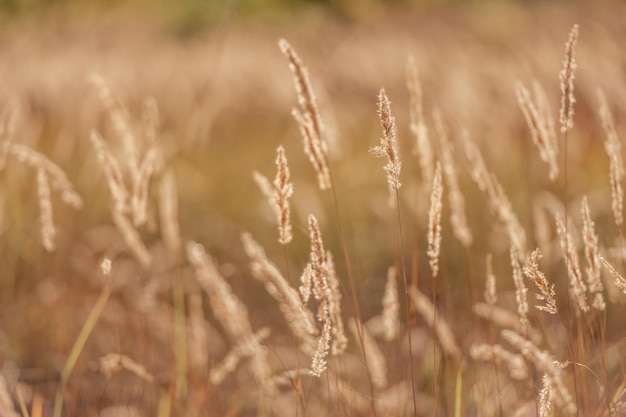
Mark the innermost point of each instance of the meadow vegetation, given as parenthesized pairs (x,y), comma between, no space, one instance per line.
(418,214)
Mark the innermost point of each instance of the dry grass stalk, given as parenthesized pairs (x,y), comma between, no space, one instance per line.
(496,353)
(231,312)
(456,200)
(546,291)
(545,397)
(592,254)
(422,148)
(520,290)
(544,363)
(113,173)
(168,215)
(48,230)
(568,247)
(505,319)
(541,133)
(391,306)
(434,222)
(613,148)
(278,194)
(115,362)
(619,280)
(491,295)
(299,318)
(58,179)
(119,120)
(132,239)
(7,131)
(197,341)
(566,78)
(374,358)
(233,357)
(308,116)
(387,147)
(444,333)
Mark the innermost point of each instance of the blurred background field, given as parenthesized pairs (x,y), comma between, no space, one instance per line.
(225,95)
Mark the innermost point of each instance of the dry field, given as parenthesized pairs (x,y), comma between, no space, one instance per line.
(412,214)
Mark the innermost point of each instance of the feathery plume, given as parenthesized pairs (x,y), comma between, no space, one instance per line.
(544,363)
(613,149)
(496,353)
(566,78)
(48,230)
(112,172)
(141,185)
(491,296)
(592,255)
(539,127)
(308,117)
(455,198)
(520,289)
(299,318)
(115,362)
(620,281)
(573,264)
(230,311)
(387,147)
(434,222)
(444,334)
(318,361)
(233,357)
(391,306)
(545,397)
(278,194)
(422,148)
(505,319)
(339,342)
(132,239)
(546,291)
(7,130)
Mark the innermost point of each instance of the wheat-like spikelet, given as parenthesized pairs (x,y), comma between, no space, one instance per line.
(308,116)
(318,361)
(544,363)
(566,78)
(197,337)
(423,148)
(58,178)
(48,230)
(620,281)
(119,120)
(613,148)
(112,172)
(230,311)
(150,121)
(505,319)
(391,306)
(443,331)
(299,318)
(592,254)
(491,295)
(434,222)
(568,247)
(545,397)
(233,357)
(278,194)
(456,200)
(520,290)
(545,114)
(374,358)
(546,291)
(7,131)
(141,185)
(168,215)
(539,127)
(387,147)
(496,353)
(115,362)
